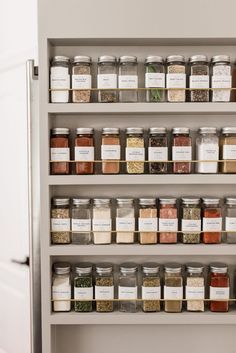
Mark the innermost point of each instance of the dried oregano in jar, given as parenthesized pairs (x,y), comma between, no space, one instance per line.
(191,220)
(135,152)
(83,287)
(60,221)
(151,287)
(104,287)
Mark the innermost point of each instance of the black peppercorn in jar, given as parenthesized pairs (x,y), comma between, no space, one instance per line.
(104,287)
(81,79)
(60,79)
(107,79)
(158,150)
(155,79)
(199,78)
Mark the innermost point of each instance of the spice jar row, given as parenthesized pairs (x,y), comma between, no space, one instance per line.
(176,287)
(143,154)
(174,74)
(125,221)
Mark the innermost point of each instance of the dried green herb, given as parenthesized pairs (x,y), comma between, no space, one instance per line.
(83,306)
(155,94)
(104,305)
(191,213)
(151,305)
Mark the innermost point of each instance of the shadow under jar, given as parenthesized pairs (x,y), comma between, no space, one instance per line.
(219,287)
(207,149)
(135,151)
(228,150)
(128,288)
(176,78)
(81,79)
(84,151)
(81,221)
(168,220)
(195,287)
(211,221)
(61,287)
(147,222)
(158,150)
(181,150)
(230,219)
(155,79)
(60,221)
(191,220)
(128,79)
(107,79)
(173,288)
(60,151)
(110,150)
(199,78)
(221,78)
(83,288)
(104,287)
(151,287)
(125,221)
(60,79)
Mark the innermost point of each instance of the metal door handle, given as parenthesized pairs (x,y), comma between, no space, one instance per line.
(24,262)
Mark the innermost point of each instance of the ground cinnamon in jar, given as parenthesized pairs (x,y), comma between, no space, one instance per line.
(110,150)
(60,151)
(84,151)
(211,221)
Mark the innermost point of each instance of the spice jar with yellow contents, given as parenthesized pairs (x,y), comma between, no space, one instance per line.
(104,287)
(151,287)
(81,79)
(135,152)
(173,288)
(110,150)
(228,150)
(147,221)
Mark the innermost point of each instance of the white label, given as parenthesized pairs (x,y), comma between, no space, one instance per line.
(128,81)
(208,151)
(147,224)
(83,293)
(61,292)
(229,152)
(110,152)
(154,79)
(60,224)
(176,80)
(81,81)
(125,224)
(81,225)
(157,153)
(60,154)
(104,292)
(84,153)
(173,292)
(168,225)
(221,81)
(151,293)
(181,153)
(190,225)
(135,153)
(127,292)
(212,224)
(230,223)
(102,225)
(199,81)
(60,77)
(219,293)
(194,292)
(107,81)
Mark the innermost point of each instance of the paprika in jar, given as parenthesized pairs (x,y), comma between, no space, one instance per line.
(219,287)
(60,151)
(110,150)
(84,151)
(168,220)
(211,221)
(181,150)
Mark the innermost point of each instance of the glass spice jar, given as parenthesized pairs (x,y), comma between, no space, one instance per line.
(155,78)
(107,79)
(110,150)
(221,78)
(219,287)
(81,79)
(230,219)
(195,287)
(168,220)
(102,221)
(151,287)
(158,150)
(191,220)
(60,221)
(104,287)
(228,150)
(83,287)
(125,221)
(84,151)
(81,221)
(207,149)
(135,151)
(173,288)
(128,288)
(128,79)
(60,151)
(199,78)
(181,150)
(147,222)
(61,287)
(212,221)
(60,79)
(176,78)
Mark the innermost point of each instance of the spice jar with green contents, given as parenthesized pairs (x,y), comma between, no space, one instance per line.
(158,150)
(60,221)
(104,287)
(81,79)
(128,288)
(173,288)
(176,78)
(195,287)
(135,151)
(199,78)
(155,79)
(107,79)
(83,287)
(151,287)
(191,220)
(228,150)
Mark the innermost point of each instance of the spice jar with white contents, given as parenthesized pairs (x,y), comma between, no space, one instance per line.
(60,79)
(125,221)
(176,78)
(155,79)
(147,222)
(60,151)
(181,150)
(211,220)
(128,288)
(151,287)
(102,221)
(199,78)
(195,287)
(135,151)
(81,221)
(219,287)
(230,219)
(228,150)
(128,79)
(168,220)
(107,79)
(173,288)
(83,287)
(207,149)
(191,220)
(60,221)
(61,287)
(84,150)
(221,78)
(158,150)
(104,287)
(81,79)
(110,150)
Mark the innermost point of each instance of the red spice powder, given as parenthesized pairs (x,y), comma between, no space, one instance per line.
(168,212)
(84,167)
(182,167)
(61,141)
(219,280)
(211,237)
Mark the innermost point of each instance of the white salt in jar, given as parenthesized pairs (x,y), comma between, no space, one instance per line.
(207,149)
(61,286)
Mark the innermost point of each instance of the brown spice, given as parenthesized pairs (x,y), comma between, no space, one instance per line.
(110,153)
(84,140)
(60,143)
(148,237)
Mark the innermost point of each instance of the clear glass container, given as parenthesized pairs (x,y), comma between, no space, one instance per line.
(219,287)
(230,219)
(60,221)
(176,78)
(173,288)
(107,79)
(158,150)
(228,150)
(81,221)
(60,79)
(84,150)
(199,78)
(128,288)
(102,221)
(61,287)
(83,287)
(221,78)
(155,78)
(81,79)
(168,220)
(125,221)
(135,150)
(147,221)
(191,220)
(151,287)
(111,150)
(128,79)
(60,151)
(195,287)
(207,149)
(181,150)
(104,287)
(211,221)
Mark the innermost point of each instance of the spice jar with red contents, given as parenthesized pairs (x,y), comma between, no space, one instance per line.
(181,150)
(84,151)
(60,151)
(168,220)
(219,287)
(211,221)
